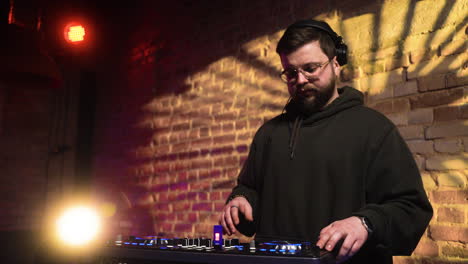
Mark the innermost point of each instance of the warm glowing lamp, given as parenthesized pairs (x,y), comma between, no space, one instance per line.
(78,226)
(74,33)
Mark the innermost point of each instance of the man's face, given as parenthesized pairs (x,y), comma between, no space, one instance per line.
(313,92)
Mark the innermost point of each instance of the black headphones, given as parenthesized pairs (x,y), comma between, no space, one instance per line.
(340,46)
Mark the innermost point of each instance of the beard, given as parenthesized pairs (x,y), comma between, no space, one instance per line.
(308,99)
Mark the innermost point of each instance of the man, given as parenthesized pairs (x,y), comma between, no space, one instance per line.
(329,169)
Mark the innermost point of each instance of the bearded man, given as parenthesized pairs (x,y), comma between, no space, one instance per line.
(329,169)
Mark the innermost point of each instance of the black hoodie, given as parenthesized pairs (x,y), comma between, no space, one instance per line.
(348,160)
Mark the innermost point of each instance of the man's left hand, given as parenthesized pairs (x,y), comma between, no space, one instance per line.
(350,230)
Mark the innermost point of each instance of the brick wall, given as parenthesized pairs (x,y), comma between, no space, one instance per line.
(189,94)
(25,119)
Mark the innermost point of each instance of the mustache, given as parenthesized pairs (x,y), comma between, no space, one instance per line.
(305,88)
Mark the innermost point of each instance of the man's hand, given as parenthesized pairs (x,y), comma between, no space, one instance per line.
(229,218)
(349,229)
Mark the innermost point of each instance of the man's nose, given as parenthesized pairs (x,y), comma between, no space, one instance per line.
(301,79)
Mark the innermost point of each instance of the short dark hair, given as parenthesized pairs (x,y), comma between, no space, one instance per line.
(295,37)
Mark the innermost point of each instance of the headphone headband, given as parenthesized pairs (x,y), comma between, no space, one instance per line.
(340,47)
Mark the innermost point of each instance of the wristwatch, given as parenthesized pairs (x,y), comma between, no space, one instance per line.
(366,224)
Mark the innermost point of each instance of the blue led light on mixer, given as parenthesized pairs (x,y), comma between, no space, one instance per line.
(274,243)
(239,247)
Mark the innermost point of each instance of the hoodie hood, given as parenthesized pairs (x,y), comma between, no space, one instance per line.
(348,97)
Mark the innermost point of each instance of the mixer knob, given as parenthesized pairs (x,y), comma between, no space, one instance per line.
(281,249)
(209,242)
(166,242)
(245,247)
(272,248)
(151,242)
(310,250)
(183,242)
(227,243)
(292,248)
(206,242)
(252,246)
(136,241)
(118,241)
(195,242)
(235,242)
(140,242)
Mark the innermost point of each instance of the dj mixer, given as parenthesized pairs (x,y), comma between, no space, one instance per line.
(137,250)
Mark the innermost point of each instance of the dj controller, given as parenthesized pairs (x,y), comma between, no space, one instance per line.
(145,250)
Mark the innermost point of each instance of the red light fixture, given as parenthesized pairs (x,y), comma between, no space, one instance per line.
(74,33)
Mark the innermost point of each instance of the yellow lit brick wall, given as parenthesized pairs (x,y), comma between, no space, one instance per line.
(408,57)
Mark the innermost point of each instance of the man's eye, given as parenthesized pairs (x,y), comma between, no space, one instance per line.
(311,69)
(291,73)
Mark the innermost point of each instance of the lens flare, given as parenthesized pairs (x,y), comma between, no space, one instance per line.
(78,226)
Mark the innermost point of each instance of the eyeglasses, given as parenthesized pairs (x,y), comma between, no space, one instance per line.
(290,75)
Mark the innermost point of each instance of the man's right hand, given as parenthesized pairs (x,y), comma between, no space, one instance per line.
(229,217)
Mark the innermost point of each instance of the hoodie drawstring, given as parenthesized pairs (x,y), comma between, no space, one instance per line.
(295,135)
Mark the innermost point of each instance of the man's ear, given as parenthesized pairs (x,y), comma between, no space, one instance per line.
(336,66)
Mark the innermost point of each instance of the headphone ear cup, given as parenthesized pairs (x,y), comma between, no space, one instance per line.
(342,54)
(341,50)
